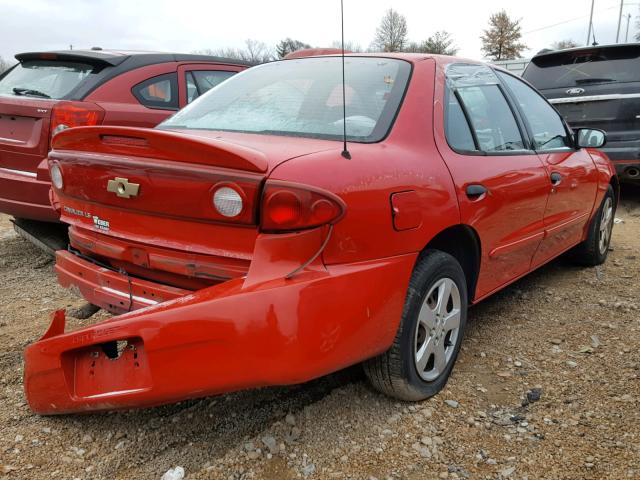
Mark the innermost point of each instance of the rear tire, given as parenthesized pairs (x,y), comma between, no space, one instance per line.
(594,250)
(419,362)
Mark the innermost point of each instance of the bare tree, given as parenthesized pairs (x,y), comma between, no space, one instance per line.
(258,52)
(440,43)
(4,65)
(348,46)
(255,52)
(564,44)
(501,41)
(391,35)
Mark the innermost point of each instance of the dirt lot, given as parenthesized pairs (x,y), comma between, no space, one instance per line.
(547,386)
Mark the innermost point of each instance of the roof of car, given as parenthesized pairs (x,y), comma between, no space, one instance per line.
(586,48)
(116,57)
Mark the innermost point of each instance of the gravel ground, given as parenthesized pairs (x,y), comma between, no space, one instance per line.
(547,386)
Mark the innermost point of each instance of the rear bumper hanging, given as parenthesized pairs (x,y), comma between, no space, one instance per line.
(243,333)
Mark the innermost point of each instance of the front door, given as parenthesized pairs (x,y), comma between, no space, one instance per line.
(572,175)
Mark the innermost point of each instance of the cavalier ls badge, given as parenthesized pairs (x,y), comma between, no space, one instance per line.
(122,188)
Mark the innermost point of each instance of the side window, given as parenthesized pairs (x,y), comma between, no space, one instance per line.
(456,127)
(192,88)
(547,127)
(491,118)
(204,80)
(158,92)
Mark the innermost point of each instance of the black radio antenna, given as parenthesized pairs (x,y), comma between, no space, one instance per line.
(345,151)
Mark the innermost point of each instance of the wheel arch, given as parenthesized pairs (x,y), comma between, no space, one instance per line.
(463,243)
(615,184)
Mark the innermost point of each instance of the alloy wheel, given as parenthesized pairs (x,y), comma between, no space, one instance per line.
(606,225)
(437,330)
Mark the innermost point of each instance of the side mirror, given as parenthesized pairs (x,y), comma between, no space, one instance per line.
(590,138)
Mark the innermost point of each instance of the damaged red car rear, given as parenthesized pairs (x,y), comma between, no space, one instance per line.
(241,247)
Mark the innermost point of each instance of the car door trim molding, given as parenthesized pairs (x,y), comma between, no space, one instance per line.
(594,98)
(515,245)
(552,230)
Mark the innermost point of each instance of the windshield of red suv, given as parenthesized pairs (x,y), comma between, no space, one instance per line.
(584,67)
(303,97)
(44,78)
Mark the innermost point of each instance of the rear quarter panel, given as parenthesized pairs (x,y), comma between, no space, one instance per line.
(407,160)
(119,104)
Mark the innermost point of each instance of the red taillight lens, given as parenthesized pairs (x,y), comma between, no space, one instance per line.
(287,207)
(74,114)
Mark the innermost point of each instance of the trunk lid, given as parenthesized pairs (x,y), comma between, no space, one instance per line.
(613,108)
(174,175)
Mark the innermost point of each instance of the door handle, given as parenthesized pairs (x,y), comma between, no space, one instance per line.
(556,179)
(475,191)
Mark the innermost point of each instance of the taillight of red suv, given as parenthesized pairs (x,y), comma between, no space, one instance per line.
(74,114)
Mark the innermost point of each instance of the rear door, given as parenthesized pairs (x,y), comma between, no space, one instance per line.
(502,185)
(27,94)
(195,79)
(571,173)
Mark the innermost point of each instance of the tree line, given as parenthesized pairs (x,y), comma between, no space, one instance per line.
(501,40)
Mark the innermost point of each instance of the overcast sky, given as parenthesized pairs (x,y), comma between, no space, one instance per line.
(188,25)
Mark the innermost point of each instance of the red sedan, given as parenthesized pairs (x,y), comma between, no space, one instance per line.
(47,92)
(248,247)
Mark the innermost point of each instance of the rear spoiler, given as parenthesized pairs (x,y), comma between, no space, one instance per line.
(96,58)
(161,145)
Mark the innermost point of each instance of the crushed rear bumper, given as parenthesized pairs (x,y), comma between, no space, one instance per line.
(110,290)
(234,335)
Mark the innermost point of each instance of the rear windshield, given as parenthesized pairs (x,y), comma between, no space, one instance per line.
(303,98)
(585,67)
(44,78)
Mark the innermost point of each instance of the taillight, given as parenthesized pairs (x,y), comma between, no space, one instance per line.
(74,114)
(287,207)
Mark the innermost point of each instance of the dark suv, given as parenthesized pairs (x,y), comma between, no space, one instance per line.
(596,87)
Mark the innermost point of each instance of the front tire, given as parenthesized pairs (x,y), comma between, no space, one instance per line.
(419,362)
(594,250)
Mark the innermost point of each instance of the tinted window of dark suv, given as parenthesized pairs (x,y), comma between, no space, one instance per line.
(584,67)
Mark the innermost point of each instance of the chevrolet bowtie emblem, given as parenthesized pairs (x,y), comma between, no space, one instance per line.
(122,188)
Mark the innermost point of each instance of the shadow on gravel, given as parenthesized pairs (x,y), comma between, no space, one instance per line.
(207,428)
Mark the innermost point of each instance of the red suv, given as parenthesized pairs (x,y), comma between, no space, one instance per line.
(47,92)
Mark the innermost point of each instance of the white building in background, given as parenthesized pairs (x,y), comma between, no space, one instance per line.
(516,66)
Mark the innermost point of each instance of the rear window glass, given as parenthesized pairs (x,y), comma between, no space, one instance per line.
(303,97)
(585,67)
(44,78)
